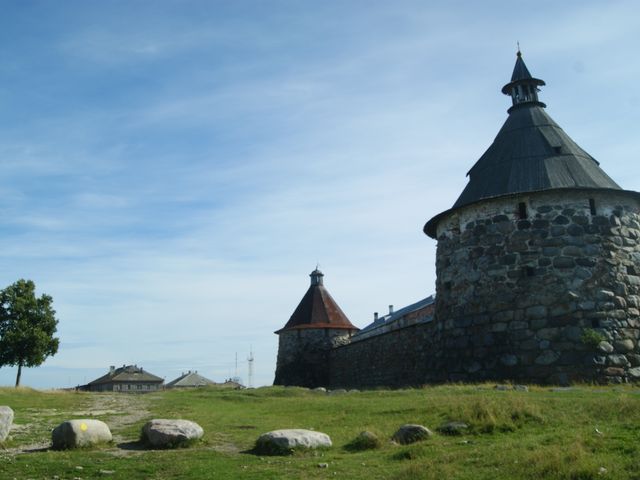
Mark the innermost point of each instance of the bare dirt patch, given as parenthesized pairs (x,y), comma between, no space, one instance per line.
(118,411)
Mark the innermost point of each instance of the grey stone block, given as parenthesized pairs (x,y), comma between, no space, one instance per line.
(6,420)
(167,433)
(285,441)
(80,433)
(411,433)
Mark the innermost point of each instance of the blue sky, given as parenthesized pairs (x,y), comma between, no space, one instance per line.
(172,171)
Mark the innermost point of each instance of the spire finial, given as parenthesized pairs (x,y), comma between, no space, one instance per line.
(523,88)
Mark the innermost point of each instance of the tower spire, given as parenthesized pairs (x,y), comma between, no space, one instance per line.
(523,87)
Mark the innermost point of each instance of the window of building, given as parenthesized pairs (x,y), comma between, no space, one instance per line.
(522,210)
(592,206)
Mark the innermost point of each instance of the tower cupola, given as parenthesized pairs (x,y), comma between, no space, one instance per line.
(523,88)
(316,277)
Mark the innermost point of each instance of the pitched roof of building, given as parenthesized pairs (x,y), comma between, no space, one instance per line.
(190,379)
(318,309)
(531,153)
(127,373)
(394,320)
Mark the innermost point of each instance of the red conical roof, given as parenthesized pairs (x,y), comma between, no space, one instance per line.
(318,309)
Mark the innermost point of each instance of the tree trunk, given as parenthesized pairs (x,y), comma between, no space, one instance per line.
(19,375)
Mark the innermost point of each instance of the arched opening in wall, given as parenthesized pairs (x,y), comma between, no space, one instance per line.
(592,206)
(522,210)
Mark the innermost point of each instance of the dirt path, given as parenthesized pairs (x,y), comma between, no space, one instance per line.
(117,410)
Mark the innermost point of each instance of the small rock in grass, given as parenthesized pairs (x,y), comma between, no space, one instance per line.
(453,428)
(320,390)
(282,442)
(411,433)
(323,465)
(164,433)
(364,441)
(80,433)
(339,391)
(521,388)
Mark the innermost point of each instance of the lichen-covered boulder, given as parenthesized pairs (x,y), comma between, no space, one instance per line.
(6,419)
(80,433)
(411,433)
(364,441)
(280,442)
(165,433)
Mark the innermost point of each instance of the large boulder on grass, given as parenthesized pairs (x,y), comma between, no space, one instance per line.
(163,433)
(282,442)
(6,419)
(80,433)
(411,433)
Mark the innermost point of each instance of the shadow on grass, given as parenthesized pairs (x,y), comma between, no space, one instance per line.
(36,449)
(132,446)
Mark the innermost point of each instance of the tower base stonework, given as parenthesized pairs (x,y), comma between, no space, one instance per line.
(530,299)
(303,356)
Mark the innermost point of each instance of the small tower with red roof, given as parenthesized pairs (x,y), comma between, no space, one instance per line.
(316,326)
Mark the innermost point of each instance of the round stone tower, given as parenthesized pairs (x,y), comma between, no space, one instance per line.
(316,326)
(538,273)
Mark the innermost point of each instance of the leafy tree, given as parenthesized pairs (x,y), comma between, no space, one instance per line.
(27,325)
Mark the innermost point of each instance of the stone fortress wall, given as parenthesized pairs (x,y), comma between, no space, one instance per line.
(538,271)
(527,286)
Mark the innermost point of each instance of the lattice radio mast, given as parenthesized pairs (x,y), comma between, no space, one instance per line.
(250,363)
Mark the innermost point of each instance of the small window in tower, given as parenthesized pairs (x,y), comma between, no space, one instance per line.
(522,210)
(529,271)
(447,286)
(592,206)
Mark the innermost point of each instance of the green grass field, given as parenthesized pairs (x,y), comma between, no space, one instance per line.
(580,433)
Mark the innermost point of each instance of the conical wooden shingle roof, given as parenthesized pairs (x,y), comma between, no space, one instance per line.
(531,153)
(318,309)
